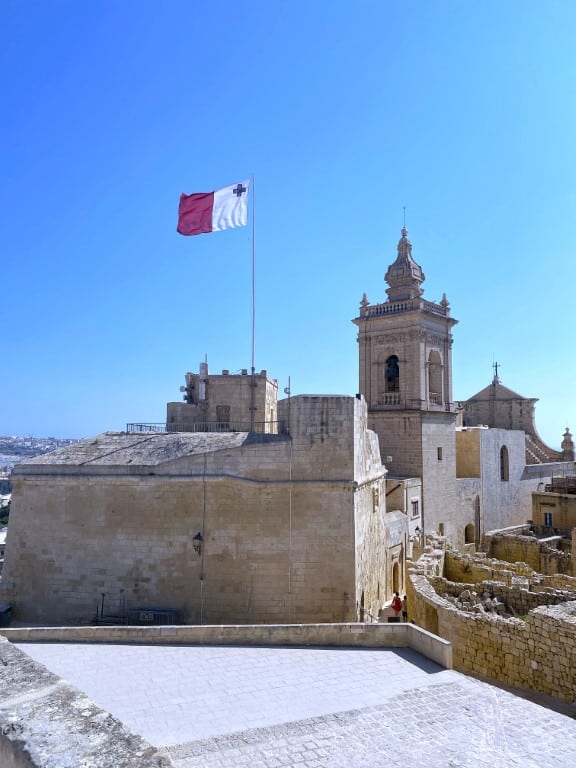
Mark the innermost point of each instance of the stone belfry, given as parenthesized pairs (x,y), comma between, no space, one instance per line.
(405,357)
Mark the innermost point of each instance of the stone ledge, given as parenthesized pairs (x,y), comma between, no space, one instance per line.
(45,723)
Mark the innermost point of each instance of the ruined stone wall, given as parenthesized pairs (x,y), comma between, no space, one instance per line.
(535,651)
(539,555)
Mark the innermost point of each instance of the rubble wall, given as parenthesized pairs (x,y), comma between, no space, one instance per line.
(535,649)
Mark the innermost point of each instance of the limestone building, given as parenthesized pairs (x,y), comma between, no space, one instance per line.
(222,527)
(218,403)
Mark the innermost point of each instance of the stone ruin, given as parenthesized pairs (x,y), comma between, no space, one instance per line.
(483,602)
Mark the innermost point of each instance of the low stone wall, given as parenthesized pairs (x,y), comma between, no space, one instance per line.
(44,723)
(356,635)
(537,651)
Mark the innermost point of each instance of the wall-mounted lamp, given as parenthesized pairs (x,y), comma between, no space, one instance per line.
(197,543)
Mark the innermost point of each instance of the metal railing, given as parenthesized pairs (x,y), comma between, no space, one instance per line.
(260,427)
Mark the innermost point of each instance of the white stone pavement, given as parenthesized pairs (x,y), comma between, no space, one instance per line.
(220,707)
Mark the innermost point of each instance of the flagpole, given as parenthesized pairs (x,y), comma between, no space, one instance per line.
(253,370)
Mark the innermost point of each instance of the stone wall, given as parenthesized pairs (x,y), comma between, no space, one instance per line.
(540,555)
(468,458)
(536,651)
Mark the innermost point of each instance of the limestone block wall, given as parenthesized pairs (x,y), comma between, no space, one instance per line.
(472,570)
(400,436)
(539,555)
(469,503)
(468,458)
(537,651)
(323,435)
(270,552)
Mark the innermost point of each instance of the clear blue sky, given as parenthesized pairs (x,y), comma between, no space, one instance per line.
(464,111)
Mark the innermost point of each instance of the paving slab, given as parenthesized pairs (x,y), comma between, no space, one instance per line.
(282,707)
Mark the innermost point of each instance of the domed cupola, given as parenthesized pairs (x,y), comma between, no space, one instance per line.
(404,276)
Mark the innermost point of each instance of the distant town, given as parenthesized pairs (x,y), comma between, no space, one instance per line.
(13,449)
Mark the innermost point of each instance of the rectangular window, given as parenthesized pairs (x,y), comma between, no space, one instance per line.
(415,508)
(439,450)
(548,519)
(223,417)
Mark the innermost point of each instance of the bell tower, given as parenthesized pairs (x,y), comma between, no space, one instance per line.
(405,372)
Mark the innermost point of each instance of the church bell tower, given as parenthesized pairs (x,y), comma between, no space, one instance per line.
(405,367)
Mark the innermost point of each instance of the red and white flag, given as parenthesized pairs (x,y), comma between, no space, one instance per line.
(213,211)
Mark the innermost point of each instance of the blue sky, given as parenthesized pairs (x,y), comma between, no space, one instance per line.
(462,111)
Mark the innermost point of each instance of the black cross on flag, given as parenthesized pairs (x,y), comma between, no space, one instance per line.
(203,212)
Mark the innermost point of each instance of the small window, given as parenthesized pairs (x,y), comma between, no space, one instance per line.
(469,534)
(439,453)
(415,508)
(548,519)
(441,529)
(504,464)
(375,499)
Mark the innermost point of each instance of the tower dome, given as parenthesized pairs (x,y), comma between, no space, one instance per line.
(404,276)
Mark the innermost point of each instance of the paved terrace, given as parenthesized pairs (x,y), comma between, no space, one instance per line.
(217,707)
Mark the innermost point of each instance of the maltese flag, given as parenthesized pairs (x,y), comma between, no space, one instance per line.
(213,211)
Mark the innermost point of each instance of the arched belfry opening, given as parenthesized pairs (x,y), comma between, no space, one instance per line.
(435,394)
(392,374)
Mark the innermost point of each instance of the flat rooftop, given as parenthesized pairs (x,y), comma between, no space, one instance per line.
(278,707)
